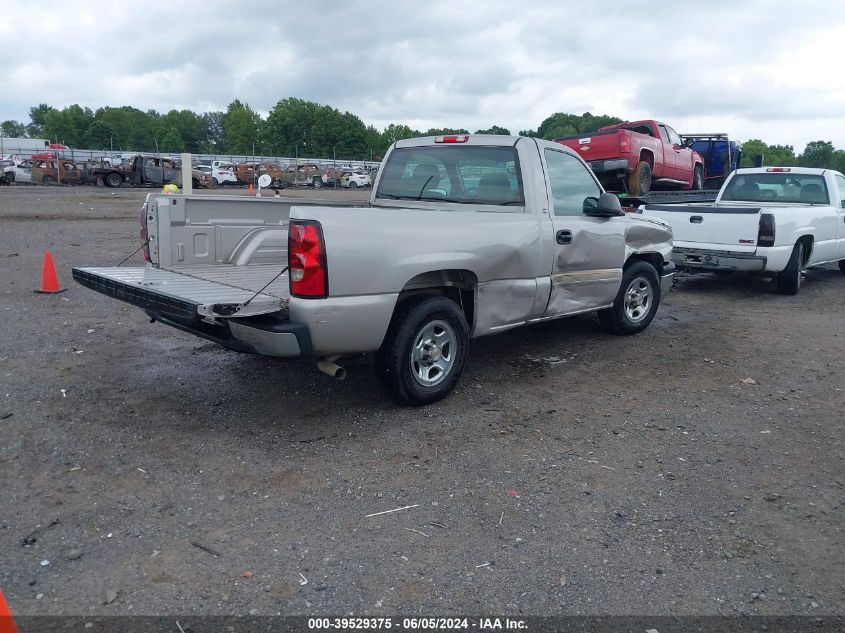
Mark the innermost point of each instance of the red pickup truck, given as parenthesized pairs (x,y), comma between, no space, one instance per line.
(634,155)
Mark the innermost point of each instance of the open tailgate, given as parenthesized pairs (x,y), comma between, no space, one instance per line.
(193,292)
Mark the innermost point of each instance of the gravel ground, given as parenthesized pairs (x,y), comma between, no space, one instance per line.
(694,469)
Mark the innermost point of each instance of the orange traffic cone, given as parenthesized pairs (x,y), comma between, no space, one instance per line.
(7,624)
(49,278)
(251,188)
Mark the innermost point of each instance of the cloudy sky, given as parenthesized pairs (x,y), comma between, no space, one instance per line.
(753,68)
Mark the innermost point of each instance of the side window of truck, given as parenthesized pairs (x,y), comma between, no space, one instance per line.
(674,138)
(571,183)
(840,184)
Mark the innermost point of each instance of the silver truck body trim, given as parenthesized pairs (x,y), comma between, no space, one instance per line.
(607,275)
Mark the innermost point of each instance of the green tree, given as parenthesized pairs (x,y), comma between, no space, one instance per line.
(817,154)
(780,155)
(495,130)
(37,118)
(751,149)
(240,128)
(213,138)
(561,124)
(838,162)
(100,135)
(172,141)
(396,132)
(443,131)
(14,129)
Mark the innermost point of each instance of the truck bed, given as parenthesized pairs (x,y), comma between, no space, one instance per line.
(189,292)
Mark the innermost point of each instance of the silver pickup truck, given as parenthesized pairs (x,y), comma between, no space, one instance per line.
(463,236)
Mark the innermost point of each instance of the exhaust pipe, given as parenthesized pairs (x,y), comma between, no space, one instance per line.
(328,366)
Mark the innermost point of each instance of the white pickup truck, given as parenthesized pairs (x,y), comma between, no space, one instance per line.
(777,220)
(463,236)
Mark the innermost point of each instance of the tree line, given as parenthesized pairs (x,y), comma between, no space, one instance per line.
(296,127)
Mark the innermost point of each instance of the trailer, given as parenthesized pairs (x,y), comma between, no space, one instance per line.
(721,156)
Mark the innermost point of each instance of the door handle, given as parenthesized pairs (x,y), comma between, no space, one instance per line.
(696,219)
(564,237)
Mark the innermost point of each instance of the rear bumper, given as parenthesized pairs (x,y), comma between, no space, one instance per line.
(609,166)
(267,334)
(705,260)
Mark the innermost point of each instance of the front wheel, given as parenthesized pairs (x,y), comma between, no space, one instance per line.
(636,302)
(353,184)
(113,180)
(317,183)
(424,351)
(48,180)
(789,279)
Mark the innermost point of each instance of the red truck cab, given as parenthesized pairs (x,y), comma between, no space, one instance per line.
(635,155)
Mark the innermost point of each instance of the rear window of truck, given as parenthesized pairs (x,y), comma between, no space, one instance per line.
(463,174)
(777,187)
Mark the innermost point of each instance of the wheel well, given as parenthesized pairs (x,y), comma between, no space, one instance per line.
(647,157)
(655,259)
(807,241)
(457,285)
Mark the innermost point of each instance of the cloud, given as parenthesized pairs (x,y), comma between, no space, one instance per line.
(755,68)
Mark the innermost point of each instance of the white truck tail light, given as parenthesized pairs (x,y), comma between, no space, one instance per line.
(766,233)
(452,138)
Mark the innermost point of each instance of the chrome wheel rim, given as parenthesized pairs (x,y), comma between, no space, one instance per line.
(433,353)
(638,299)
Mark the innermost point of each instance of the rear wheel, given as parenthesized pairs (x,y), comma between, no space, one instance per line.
(639,182)
(789,279)
(698,178)
(424,351)
(317,183)
(636,302)
(113,180)
(353,184)
(842,265)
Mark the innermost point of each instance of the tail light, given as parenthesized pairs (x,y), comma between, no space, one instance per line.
(145,234)
(624,143)
(766,234)
(452,138)
(307,260)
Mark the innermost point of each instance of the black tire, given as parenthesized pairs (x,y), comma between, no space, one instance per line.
(639,181)
(48,180)
(317,183)
(195,183)
(113,179)
(697,178)
(640,284)
(353,184)
(215,182)
(400,368)
(842,265)
(789,279)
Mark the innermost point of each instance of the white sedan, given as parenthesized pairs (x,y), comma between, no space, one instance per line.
(355,180)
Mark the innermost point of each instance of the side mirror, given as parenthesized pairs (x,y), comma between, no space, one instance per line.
(605,206)
(687,142)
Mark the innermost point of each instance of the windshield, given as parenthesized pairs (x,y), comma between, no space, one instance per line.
(450,173)
(777,187)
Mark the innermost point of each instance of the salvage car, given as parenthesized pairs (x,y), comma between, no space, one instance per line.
(139,171)
(56,171)
(432,261)
(632,156)
(771,220)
